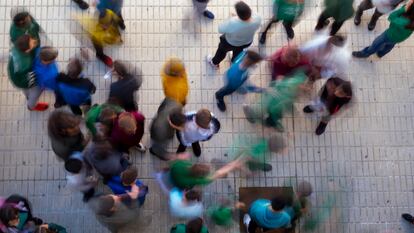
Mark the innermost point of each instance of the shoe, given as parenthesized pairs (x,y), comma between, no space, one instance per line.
(196,149)
(371,25)
(121,25)
(141,148)
(82,4)
(290,33)
(262,39)
(357,19)
(321,128)
(40,107)
(210,61)
(221,105)
(246,220)
(105,59)
(408,217)
(307,109)
(359,54)
(208,14)
(380,55)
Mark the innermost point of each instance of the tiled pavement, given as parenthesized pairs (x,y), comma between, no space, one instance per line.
(364,158)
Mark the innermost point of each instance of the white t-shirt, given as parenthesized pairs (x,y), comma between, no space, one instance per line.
(180,209)
(238,32)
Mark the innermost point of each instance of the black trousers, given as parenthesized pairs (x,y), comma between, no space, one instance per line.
(59,102)
(225,47)
(366,5)
(335,26)
(253,226)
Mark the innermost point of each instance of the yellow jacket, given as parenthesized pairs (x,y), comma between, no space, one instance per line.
(174,80)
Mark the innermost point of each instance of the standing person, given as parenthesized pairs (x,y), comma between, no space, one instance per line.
(24,24)
(334,95)
(174,80)
(21,74)
(185,204)
(65,134)
(113,5)
(237,75)
(104,114)
(237,34)
(286,61)
(169,118)
(200,7)
(73,89)
(401,27)
(123,91)
(193,226)
(127,131)
(46,68)
(381,7)
(81,4)
(339,10)
(287,11)
(199,126)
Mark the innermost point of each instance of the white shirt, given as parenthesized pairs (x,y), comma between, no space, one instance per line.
(238,32)
(181,209)
(193,133)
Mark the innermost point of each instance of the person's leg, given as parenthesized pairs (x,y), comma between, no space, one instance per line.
(386,48)
(121,22)
(59,101)
(196,149)
(322,20)
(365,5)
(237,50)
(262,39)
(252,226)
(76,110)
(226,90)
(289,30)
(32,95)
(336,26)
(222,50)
(322,125)
(373,22)
(181,148)
(376,45)
(88,194)
(100,53)
(201,8)
(82,4)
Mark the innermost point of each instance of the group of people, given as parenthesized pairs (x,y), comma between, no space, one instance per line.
(116,127)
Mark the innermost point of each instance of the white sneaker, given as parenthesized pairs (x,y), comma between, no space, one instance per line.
(210,61)
(141,148)
(246,220)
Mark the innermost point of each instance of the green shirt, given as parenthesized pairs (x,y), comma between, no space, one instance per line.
(181,228)
(94,113)
(181,177)
(221,216)
(33,29)
(397,31)
(340,10)
(287,10)
(20,67)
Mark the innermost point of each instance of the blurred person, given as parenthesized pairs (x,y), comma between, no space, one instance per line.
(114,6)
(102,114)
(381,7)
(408,217)
(237,75)
(334,95)
(339,10)
(401,27)
(65,134)
(287,11)
(24,24)
(185,203)
(127,132)
(200,7)
(193,226)
(50,228)
(26,220)
(174,80)
(223,213)
(199,126)
(237,34)
(13,221)
(81,4)
(286,61)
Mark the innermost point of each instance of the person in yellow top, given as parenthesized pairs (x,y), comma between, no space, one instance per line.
(174,80)
(102,31)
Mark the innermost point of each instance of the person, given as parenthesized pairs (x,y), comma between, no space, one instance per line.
(21,74)
(200,7)
(381,7)
(123,90)
(13,221)
(286,61)
(127,131)
(65,134)
(73,89)
(174,80)
(223,213)
(114,6)
(81,4)
(103,114)
(24,24)
(329,54)
(237,75)
(339,10)
(267,214)
(334,95)
(237,34)
(287,11)
(199,126)
(45,67)
(80,176)
(51,228)
(401,27)
(169,118)
(193,226)
(408,217)
(123,183)
(185,204)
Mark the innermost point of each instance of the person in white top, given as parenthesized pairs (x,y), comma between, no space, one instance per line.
(237,33)
(381,7)
(185,204)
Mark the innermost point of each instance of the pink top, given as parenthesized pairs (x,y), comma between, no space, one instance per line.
(122,141)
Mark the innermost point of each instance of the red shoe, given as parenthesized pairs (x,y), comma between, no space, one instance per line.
(106,60)
(40,107)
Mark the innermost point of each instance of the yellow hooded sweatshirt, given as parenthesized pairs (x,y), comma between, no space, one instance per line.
(174,80)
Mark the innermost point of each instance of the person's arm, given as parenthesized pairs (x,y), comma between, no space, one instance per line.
(397,13)
(222,172)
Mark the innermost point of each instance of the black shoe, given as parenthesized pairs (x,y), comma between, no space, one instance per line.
(196,149)
(359,54)
(82,4)
(321,128)
(208,14)
(221,105)
(262,39)
(408,217)
(307,109)
(121,25)
(371,25)
(357,19)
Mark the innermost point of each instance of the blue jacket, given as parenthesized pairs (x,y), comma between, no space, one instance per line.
(115,184)
(45,74)
(235,77)
(74,91)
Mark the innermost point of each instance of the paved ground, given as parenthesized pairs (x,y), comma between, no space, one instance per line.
(364,159)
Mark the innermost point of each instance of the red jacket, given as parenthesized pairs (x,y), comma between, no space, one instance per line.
(280,68)
(123,141)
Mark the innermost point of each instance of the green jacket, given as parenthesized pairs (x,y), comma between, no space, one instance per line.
(181,177)
(397,32)
(181,228)
(286,10)
(33,29)
(340,10)
(20,68)
(94,113)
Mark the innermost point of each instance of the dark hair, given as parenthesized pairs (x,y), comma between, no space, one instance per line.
(73,165)
(41,229)
(19,18)
(279,202)
(194,226)
(203,118)
(253,56)
(8,213)
(337,40)
(48,53)
(243,10)
(101,150)
(129,175)
(193,195)
(106,203)
(199,170)
(409,14)
(177,118)
(59,121)
(121,69)
(346,88)
(74,68)
(23,42)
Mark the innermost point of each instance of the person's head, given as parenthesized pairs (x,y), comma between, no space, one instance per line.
(73,165)
(129,176)
(243,10)
(127,123)
(22,19)
(101,150)
(252,58)
(106,205)
(48,55)
(203,118)
(194,226)
(121,69)
(74,68)
(291,56)
(337,40)
(192,195)
(279,202)
(63,124)
(26,43)
(199,170)
(344,90)
(177,119)
(9,215)
(107,116)
(174,67)
(304,189)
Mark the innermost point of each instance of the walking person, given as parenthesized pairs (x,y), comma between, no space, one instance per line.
(185,204)
(401,27)
(339,10)
(381,7)
(237,34)
(200,7)
(174,80)
(24,24)
(127,132)
(114,6)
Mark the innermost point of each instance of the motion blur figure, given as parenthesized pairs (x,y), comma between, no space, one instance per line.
(185,204)
(193,226)
(339,10)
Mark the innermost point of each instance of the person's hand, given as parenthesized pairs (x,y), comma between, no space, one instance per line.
(184,156)
(240,205)
(134,192)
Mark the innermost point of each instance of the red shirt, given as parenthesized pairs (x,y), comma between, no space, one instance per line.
(122,141)
(280,68)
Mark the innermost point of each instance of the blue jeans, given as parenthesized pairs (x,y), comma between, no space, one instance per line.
(242,88)
(381,45)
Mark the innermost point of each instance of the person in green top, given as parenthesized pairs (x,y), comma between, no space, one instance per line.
(24,24)
(287,11)
(104,114)
(401,27)
(339,10)
(193,226)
